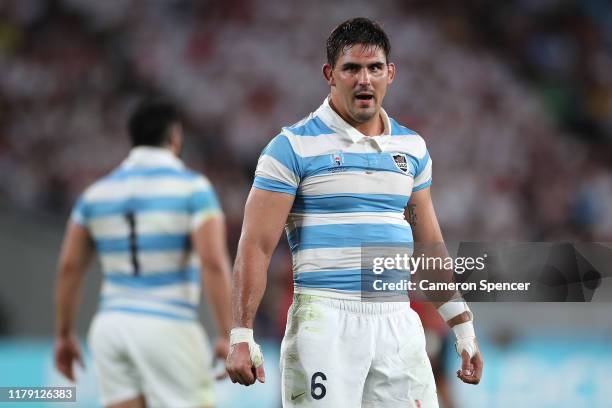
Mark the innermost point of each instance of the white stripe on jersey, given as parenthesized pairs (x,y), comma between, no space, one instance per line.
(271,168)
(308,220)
(308,146)
(187,291)
(150,305)
(154,222)
(380,182)
(151,263)
(326,259)
(425,174)
(143,187)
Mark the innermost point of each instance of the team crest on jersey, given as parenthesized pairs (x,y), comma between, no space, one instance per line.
(401,162)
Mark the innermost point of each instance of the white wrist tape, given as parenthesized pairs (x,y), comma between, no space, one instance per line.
(245,335)
(454,308)
(466,338)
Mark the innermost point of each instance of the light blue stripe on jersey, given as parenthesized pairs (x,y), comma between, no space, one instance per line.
(280,149)
(123,174)
(153,279)
(346,235)
(321,164)
(353,280)
(109,298)
(180,204)
(312,127)
(165,242)
(422,186)
(147,311)
(273,185)
(397,129)
(347,203)
(340,280)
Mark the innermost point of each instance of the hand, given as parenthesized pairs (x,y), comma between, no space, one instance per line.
(471,368)
(67,351)
(240,366)
(221,351)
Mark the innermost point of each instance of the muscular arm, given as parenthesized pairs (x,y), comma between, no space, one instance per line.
(265,214)
(421,215)
(76,255)
(209,241)
(264,217)
(426,230)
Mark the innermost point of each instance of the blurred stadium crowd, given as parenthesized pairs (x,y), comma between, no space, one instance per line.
(514,101)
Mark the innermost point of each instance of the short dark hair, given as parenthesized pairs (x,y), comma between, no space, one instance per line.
(356,31)
(149,123)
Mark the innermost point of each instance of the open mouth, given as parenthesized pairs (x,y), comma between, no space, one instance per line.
(364,97)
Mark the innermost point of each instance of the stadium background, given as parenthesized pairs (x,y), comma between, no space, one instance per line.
(514,100)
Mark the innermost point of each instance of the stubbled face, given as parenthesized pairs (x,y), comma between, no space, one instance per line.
(359,82)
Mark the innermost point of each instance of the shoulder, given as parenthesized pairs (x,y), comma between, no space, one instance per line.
(311,125)
(407,140)
(301,137)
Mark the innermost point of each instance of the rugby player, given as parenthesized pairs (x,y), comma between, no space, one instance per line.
(341,178)
(159,232)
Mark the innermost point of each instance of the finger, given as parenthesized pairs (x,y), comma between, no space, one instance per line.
(67,371)
(221,375)
(260,374)
(232,375)
(466,364)
(245,376)
(249,375)
(478,366)
(79,359)
(468,379)
(64,365)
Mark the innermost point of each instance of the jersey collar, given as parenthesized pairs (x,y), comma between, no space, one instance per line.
(339,125)
(150,156)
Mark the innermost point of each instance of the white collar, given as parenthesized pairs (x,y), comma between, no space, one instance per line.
(335,122)
(151,156)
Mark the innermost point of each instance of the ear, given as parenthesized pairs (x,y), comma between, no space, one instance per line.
(176,138)
(391,72)
(328,74)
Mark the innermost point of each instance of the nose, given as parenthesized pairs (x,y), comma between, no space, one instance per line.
(363,77)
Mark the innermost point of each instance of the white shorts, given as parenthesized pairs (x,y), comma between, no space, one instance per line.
(349,354)
(167,361)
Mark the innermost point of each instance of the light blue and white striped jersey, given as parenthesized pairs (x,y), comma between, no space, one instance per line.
(350,190)
(140,217)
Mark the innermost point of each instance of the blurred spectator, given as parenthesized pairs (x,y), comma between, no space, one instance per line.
(505,96)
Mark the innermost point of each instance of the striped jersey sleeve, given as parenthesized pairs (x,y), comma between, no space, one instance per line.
(422,178)
(279,167)
(204,202)
(79,212)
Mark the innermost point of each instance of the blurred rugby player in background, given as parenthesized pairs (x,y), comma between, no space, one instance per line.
(159,232)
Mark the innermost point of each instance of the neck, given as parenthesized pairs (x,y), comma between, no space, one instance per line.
(372,127)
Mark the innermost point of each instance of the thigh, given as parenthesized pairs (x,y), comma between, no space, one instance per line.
(324,361)
(174,361)
(117,376)
(401,374)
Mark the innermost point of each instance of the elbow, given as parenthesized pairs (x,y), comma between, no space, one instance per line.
(215,269)
(69,268)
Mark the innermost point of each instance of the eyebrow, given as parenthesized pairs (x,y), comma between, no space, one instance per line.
(352,65)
